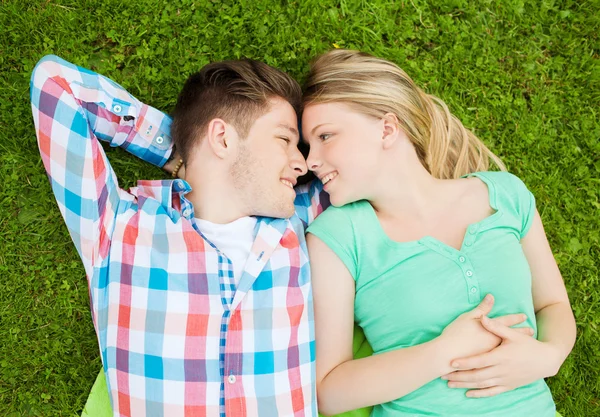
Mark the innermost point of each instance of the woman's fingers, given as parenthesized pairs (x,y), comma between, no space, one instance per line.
(510,319)
(484,308)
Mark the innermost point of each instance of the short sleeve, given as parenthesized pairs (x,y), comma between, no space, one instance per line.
(524,202)
(514,194)
(334,227)
(528,210)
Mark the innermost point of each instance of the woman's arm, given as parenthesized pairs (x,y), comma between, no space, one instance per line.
(556,323)
(519,360)
(345,384)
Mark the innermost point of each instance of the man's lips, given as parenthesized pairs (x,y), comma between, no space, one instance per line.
(289,182)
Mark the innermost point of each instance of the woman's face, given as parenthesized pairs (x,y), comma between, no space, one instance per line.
(345,149)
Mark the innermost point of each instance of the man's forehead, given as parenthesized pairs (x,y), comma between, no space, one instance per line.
(281,112)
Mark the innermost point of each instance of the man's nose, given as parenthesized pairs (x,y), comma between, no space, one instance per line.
(298,163)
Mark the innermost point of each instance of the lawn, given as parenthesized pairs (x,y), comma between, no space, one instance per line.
(524,75)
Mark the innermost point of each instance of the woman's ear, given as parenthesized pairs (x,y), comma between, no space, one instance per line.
(391,130)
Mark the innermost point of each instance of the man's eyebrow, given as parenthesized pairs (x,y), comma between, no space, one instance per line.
(290,129)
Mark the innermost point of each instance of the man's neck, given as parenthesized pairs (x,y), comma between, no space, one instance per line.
(213,199)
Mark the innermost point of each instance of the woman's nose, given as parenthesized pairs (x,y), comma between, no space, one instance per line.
(313,160)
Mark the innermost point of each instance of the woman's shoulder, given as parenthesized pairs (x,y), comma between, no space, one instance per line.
(503,179)
(339,228)
(342,217)
(509,194)
(504,186)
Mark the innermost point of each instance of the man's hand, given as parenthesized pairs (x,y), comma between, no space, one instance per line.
(172,163)
(519,360)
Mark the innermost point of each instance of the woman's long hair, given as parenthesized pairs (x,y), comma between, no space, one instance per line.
(375,87)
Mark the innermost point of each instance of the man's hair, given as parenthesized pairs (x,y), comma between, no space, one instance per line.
(236,91)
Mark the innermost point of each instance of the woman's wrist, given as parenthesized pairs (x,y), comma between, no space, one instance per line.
(443,355)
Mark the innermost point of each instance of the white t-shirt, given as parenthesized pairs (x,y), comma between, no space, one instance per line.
(234,239)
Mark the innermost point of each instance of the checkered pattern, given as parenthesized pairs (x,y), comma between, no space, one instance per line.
(176,337)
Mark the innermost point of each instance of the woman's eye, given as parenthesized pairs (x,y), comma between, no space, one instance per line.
(287,140)
(324,136)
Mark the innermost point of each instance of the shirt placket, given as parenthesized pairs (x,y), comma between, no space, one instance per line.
(227,287)
(463,260)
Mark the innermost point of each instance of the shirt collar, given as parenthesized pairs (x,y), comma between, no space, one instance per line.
(163,192)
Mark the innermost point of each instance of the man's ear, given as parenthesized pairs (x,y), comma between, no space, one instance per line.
(391,130)
(219,137)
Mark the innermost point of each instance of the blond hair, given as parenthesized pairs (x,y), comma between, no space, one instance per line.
(376,87)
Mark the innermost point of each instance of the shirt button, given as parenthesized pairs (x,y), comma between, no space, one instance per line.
(462,259)
(473,290)
(117,108)
(231,379)
(469,273)
(473,231)
(468,243)
(186,212)
(160,140)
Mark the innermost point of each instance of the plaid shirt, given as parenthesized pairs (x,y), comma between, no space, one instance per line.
(177,337)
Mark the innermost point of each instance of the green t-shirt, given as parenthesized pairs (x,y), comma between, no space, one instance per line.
(408,292)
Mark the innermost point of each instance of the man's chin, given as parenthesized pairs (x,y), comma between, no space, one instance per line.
(278,213)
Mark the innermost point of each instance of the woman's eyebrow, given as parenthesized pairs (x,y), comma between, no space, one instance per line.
(312,132)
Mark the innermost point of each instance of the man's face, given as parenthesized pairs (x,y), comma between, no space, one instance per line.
(269,163)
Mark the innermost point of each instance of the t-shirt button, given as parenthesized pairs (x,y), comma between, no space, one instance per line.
(473,230)
(231,379)
(469,273)
(473,290)
(468,243)
(117,108)
(186,212)
(462,259)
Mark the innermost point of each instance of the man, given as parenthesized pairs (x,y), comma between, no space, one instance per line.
(200,288)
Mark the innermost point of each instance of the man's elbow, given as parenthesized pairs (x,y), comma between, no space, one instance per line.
(44,67)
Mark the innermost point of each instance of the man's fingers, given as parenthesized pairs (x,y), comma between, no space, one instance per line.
(510,319)
(487,392)
(475,362)
(484,307)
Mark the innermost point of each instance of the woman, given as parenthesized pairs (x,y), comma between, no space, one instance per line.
(419,233)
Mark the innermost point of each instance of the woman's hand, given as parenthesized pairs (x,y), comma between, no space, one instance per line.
(466,336)
(518,361)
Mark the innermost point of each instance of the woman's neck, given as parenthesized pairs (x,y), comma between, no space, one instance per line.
(405,189)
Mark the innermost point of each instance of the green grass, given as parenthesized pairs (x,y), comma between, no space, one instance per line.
(523,74)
